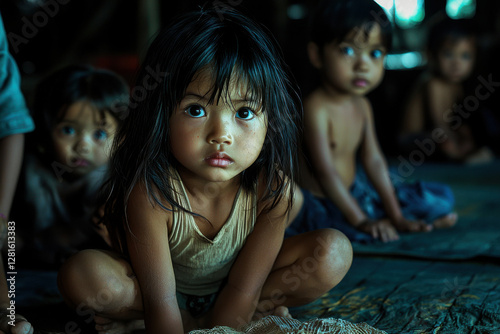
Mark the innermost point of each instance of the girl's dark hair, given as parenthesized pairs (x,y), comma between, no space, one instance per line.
(226,44)
(103,89)
(448,29)
(332,20)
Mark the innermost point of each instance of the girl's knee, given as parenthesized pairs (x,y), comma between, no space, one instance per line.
(334,253)
(84,277)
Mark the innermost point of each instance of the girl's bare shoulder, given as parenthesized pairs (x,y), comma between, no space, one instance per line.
(150,202)
(263,190)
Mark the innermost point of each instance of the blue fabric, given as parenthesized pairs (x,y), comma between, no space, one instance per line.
(318,212)
(14,115)
(418,201)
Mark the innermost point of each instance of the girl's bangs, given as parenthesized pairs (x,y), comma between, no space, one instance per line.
(232,71)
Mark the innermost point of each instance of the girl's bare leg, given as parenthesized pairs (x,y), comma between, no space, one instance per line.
(102,287)
(308,266)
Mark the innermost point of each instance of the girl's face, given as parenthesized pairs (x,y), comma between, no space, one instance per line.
(82,139)
(456,59)
(216,142)
(354,66)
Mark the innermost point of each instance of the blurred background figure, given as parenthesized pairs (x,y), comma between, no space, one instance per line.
(77,111)
(444,109)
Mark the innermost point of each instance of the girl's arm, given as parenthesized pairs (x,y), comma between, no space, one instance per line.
(316,141)
(238,299)
(378,173)
(376,166)
(11,153)
(150,256)
(441,101)
(100,228)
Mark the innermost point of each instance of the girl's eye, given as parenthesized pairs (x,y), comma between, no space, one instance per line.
(245,113)
(68,130)
(348,51)
(466,56)
(195,111)
(448,54)
(100,135)
(377,54)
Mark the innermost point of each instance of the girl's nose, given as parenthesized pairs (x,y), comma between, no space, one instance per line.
(362,63)
(220,131)
(82,146)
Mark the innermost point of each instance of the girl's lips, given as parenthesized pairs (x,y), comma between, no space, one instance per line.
(360,82)
(219,160)
(80,162)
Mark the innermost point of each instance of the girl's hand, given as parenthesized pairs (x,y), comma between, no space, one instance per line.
(22,325)
(379,229)
(406,225)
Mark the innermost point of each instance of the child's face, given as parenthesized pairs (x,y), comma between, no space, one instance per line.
(82,139)
(216,142)
(456,59)
(354,66)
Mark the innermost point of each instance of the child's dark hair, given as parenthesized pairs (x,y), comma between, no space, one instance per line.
(226,45)
(332,20)
(106,91)
(448,29)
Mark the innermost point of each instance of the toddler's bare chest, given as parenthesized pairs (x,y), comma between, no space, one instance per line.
(345,131)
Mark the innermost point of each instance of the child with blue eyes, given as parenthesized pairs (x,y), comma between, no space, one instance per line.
(349,41)
(439,100)
(77,111)
(201,191)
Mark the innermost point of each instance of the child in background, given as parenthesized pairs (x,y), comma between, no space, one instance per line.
(200,191)
(15,121)
(77,111)
(348,47)
(438,100)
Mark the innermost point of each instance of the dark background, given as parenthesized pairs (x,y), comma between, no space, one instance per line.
(47,34)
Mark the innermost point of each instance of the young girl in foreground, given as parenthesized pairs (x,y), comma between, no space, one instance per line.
(200,192)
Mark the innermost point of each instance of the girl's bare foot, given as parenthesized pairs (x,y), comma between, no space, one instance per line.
(109,326)
(280,311)
(446,221)
(22,325)
(483,155)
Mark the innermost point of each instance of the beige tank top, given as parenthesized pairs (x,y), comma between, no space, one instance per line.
(200,264)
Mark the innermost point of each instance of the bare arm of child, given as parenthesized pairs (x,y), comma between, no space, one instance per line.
(11,151)
(378,173)
(237,302)
(441,101)
(413,118)
(100,228)
(150,258)
(319,152)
